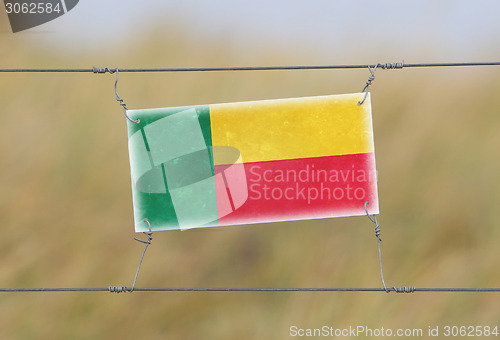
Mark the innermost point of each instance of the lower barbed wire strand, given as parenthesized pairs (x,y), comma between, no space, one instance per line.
(120,289)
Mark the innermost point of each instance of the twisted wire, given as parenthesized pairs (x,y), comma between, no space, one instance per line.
(147,242)
(392,66)
(117,289)
(102,70)
(404,289)
(368,83)
(377,234)
(118,99)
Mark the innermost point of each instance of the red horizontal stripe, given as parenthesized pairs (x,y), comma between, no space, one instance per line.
(306,188)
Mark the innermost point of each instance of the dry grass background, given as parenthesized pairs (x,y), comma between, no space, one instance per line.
(66,210)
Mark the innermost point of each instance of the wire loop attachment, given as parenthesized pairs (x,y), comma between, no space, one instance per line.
(147,243)
(377,234)
(373,218)
(122,289)
(102,70)
(368,83)
(385,66)
(118,99)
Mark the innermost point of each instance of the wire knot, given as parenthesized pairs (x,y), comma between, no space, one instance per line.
(374,220)
(147,233)
(103,70)
(118,289)
(392,66)
(402,289)
(368,83)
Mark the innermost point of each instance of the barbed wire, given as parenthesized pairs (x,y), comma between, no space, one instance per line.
(121,289)
(398,65)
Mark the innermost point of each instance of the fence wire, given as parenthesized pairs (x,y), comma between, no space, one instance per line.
(122,289)
(397,65)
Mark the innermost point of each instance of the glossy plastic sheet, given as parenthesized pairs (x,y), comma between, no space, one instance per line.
(252,162)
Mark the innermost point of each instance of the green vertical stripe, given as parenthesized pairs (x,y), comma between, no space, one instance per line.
(203,113)
(157,208)
(155,202)
(145,140)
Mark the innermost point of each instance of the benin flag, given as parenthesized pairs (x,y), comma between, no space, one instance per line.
(252,162)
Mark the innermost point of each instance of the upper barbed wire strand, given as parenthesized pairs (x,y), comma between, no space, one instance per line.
(384,66)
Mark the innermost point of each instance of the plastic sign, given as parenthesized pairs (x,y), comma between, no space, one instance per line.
(252,162)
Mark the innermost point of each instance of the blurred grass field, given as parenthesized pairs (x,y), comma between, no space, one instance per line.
(66,209)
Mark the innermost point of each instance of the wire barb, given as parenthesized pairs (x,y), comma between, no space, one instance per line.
(404,289)
(392,66)
(102,70)
(118,289)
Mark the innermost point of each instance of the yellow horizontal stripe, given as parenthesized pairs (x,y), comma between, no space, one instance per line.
(294,128)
